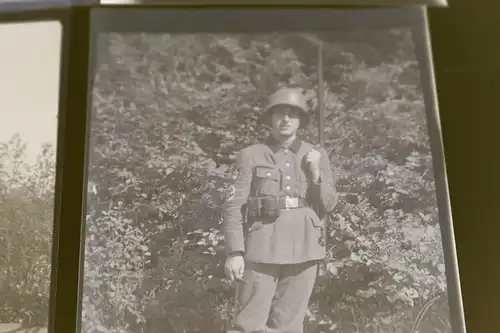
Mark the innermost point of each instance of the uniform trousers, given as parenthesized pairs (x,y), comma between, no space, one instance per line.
(274,298)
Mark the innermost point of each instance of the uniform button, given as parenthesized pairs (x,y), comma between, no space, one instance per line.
(287,164)
(288,187)
(288,177)
(268,174)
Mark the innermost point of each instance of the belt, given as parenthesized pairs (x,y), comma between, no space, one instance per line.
(285,202)
(292,202)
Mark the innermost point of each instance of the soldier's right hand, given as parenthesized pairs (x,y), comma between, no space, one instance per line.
(235,267)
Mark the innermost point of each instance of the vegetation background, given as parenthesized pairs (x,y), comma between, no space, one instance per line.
(169,113)
(26,221)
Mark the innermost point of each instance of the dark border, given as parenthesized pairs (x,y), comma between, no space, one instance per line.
(36,15)
(423,50)
(181,19)
(261,3)
(186,19)
(66,310)
(9,6)
(34,5)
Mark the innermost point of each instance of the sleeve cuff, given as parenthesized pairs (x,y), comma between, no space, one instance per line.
(234,249)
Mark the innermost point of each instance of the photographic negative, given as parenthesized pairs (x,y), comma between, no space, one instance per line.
(266,171)
(30,67)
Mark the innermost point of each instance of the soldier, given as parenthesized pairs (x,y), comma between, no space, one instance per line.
(273,221)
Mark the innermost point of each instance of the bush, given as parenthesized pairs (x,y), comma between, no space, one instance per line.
(26,220)
(170,113)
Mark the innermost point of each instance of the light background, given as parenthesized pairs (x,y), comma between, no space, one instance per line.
(29,83)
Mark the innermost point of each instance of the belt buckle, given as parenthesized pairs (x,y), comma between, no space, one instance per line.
(291,202)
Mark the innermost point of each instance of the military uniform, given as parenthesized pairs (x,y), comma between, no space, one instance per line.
(283,234)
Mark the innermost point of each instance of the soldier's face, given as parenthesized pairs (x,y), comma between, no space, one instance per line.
(285,120)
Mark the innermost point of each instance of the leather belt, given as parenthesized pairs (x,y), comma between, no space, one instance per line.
(286,202)
(292,202)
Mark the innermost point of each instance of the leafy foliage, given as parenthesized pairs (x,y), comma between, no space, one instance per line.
(26,219)
(169,114)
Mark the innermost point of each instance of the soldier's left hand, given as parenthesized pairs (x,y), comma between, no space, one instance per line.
(313,161)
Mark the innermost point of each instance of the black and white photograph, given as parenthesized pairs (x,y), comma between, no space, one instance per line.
(285,180)
(29,104)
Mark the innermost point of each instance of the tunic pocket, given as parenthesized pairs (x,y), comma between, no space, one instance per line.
(267,181)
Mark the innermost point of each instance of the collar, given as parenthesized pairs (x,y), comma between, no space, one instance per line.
(294,146)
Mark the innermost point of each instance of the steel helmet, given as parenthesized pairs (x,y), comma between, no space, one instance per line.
(288,96)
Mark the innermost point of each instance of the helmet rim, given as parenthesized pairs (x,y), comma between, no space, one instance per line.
(291,97)
(304,116)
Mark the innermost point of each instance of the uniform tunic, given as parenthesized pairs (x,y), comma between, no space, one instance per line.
(297,235)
